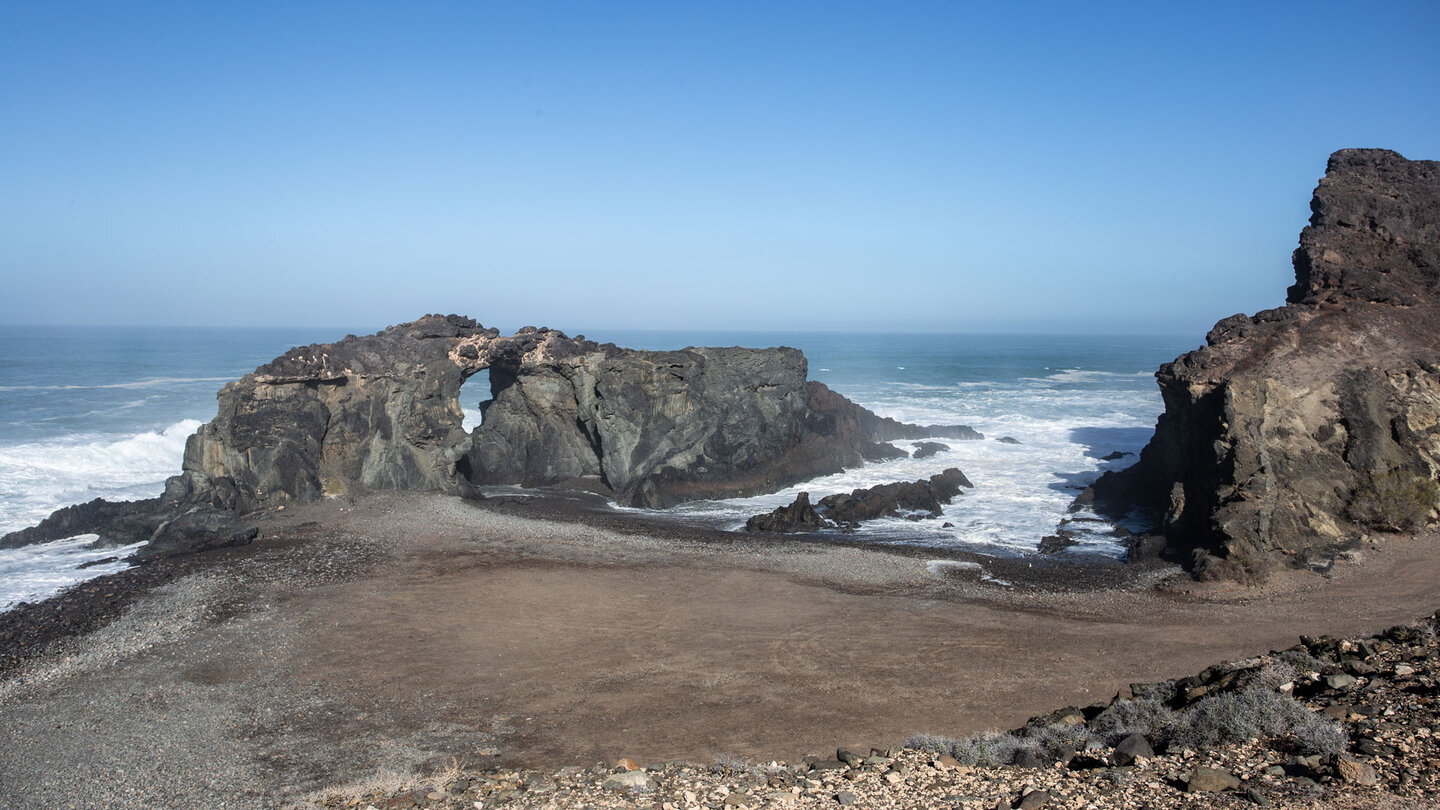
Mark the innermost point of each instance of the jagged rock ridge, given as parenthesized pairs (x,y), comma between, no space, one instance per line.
(1297,428)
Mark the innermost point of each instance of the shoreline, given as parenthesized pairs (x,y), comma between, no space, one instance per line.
(396,631)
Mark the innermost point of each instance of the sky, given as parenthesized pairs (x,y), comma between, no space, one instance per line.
(832,166)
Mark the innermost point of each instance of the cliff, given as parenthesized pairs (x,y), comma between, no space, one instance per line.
(1295,430)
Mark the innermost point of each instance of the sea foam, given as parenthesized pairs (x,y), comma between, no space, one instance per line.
(40,477)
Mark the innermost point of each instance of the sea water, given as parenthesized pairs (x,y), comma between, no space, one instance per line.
(103,412)
(1067,401)
(89,412)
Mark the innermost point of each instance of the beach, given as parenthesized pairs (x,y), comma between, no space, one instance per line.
(395,633)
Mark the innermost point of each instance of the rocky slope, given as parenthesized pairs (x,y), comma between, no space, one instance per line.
(381,412)
(1296,430)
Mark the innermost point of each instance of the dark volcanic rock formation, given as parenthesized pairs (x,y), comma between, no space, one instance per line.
(655,428)
(658,428)
(366,413)
(925,496)
(798,516)
(381,412)
(928,449)
(1300,427)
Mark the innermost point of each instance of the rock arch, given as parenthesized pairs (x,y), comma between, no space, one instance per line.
(381,412)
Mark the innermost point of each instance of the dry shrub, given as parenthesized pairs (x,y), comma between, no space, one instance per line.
(1397,501)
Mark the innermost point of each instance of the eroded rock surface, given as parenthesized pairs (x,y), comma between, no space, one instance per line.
(1298,428)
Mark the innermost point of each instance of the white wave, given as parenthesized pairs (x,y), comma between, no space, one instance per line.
(1076,375)
(35,572)
(1022,491)
(153,382)
(39,477)
(472,419)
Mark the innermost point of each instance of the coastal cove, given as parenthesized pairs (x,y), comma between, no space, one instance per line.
(105,413)
(390,635)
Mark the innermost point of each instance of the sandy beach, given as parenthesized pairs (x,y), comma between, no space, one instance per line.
(396,633)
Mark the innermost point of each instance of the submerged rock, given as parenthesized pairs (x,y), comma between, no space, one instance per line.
(1299,427)
(928,449)
(798,516)
(906,499)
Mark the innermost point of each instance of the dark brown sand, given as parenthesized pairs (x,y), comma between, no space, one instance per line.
(403,631)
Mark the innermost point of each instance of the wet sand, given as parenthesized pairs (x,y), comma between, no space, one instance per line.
(397,632)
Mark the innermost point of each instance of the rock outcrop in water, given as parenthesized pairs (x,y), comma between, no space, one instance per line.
(913,499)
(381,412)
(1295,430)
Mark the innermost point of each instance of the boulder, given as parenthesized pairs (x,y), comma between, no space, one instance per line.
(798,516)
(1132,748)
(1298,427)
(890,500)
(1210,780)
(1008,440)
(1056,543)
(928,449)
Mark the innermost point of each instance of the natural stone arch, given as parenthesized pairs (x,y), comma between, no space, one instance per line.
(382,412)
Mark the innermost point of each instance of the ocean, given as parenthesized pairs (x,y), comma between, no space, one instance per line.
(90,412)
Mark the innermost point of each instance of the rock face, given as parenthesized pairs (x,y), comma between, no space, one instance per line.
(381,412)
(374,412)
(1299,427)
(654,428)
(658,428)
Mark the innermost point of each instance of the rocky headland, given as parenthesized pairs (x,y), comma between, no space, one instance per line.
(1297,431)
(381,413)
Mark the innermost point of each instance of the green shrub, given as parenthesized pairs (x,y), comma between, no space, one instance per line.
(1397,501)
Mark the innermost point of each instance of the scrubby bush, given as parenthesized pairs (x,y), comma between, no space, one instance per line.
(1238,717)
(730,765)
(1397,501)
(1302,661)
(1246,566)
(1122,718)
(988,749)
(1271,676)
(934,743)
(1049,741)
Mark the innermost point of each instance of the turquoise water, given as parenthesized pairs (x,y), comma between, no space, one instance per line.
(104,412)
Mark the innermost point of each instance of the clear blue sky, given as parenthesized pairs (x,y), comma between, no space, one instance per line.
(874,166)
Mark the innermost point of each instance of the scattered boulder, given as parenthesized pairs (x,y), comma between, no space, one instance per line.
(1354,771)
(1132,748)
(629,780)
(888,500)
(798,516)
(1115,455)
(1008,440)
(1056,543)
(928,449)
(1210,780)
